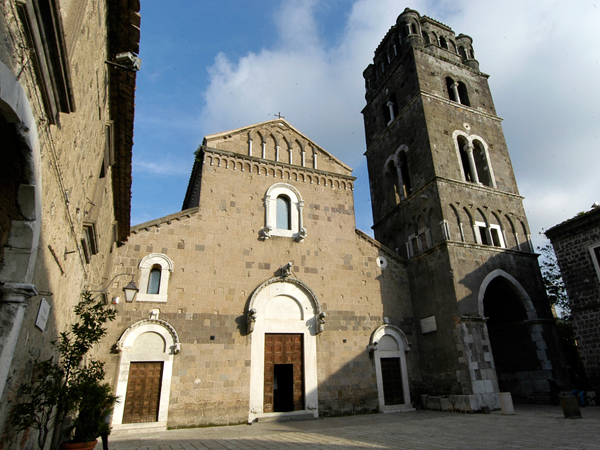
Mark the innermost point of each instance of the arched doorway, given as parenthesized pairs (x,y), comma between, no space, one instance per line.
(389,346)
(20,213)
(516,337)
(145,369)
(284,317)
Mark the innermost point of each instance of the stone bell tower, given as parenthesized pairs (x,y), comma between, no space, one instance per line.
(445,197)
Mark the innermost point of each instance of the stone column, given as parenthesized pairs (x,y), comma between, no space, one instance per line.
(264,150)
(249,147)
(445,229)
(13,302)
(454,88)
(469,149)
(390,106)
(400,180)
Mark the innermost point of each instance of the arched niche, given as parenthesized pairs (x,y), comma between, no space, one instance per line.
(150,341)
(389,346)
(283,308)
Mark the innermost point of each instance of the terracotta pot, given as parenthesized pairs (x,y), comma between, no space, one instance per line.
(79,445)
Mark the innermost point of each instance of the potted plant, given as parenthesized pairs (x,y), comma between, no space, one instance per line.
(69,389)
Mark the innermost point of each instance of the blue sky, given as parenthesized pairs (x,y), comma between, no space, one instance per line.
(211,66)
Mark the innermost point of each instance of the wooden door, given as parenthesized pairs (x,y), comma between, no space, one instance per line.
(283,357)
(392,381)
(143,392)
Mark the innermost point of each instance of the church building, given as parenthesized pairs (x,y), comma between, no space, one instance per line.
(261,299)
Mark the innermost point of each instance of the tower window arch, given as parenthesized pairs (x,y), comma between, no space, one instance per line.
(396,167)
(457,91)
(463,96)
(283,213)
(155,270)
(473,155)
(443,42)
(426,37)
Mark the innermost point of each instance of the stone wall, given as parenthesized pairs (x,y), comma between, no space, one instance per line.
(572,241)
(64,184)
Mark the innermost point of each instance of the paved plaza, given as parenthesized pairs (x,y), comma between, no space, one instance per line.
(532,427)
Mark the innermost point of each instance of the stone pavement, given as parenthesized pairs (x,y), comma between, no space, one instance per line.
(532,427)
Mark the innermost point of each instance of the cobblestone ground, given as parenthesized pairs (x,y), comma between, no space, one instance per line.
(532,427)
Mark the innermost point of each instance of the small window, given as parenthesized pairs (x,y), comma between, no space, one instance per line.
(283,212)
(154,280)
(155,270)
(489,235)
(483,237)
(496,239)
(463,96)
(89,241)
(443,43)
(426,37)
(284,221)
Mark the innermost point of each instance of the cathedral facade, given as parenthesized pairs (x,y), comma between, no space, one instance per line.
(261,299)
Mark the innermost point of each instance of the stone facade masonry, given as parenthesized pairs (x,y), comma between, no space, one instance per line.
(220,258)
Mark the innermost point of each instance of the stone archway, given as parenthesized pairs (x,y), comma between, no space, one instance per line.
(516,337)
(20,213)
(147,348)
(389,345)
(284,312)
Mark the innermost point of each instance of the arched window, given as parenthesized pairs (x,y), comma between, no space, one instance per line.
(463,96)
(396,167)
(426,37)
(283,213)
(443,43)
(474,159)
(457,92)
(481,163)
(154,280)
(406,187)
(155,270)
(452,92)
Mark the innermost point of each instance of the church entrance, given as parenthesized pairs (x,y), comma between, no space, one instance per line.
(143,392)
(392,381)
(284,380)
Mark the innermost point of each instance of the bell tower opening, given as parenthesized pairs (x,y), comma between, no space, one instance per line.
(515,354)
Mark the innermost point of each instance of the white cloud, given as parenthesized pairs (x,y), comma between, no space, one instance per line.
(162,167)
(543,59)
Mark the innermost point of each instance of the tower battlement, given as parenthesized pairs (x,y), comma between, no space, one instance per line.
(415,31)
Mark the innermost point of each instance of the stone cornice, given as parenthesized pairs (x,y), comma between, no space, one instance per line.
(175,217)
(231,160)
